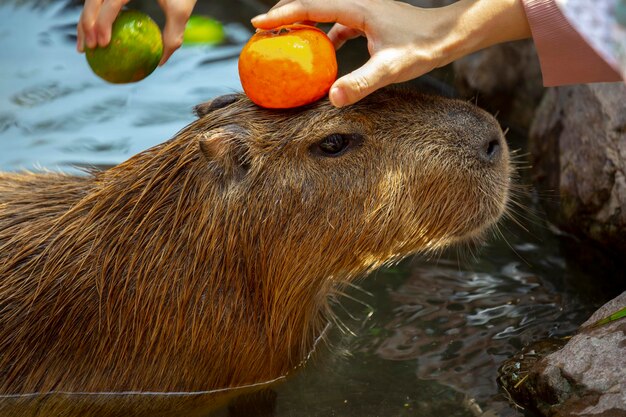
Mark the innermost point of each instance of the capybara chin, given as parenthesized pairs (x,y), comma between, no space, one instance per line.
(206,261)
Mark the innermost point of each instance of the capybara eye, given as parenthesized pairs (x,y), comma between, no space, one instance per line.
(336,144)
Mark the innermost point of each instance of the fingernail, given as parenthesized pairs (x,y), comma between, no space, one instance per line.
(337,97)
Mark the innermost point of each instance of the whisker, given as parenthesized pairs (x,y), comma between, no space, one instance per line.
(360,289)
(370,309)
(509,245)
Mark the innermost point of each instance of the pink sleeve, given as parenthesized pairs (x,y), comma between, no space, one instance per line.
(564,55)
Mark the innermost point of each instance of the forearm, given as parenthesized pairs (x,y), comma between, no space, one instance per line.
(565,57)
(477,24)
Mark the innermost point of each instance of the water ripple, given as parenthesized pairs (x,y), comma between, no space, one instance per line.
(7,121)
(37,95)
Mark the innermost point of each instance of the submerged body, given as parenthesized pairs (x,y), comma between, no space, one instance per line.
(206,262)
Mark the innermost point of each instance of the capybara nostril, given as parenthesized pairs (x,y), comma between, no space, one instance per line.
(490,148)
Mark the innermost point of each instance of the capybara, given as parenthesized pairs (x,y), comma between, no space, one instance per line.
(206,262)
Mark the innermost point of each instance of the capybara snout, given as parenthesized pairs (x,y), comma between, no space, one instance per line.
(206,261)
(479,132)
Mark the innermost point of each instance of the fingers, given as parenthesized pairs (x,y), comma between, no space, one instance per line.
(80,38)
(350,13)
(94,26)
(339,34)
(108,12)
(375,74)
(86,24)
(177,14)
(172,38)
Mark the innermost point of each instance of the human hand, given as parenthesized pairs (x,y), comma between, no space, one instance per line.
(94,25)
(404,41)
(399,51)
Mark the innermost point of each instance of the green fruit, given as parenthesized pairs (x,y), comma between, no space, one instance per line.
(203,30)
(134,52)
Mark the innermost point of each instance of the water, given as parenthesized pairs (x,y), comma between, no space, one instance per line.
(422,338)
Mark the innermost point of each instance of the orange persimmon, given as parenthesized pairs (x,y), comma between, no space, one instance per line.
(288,66)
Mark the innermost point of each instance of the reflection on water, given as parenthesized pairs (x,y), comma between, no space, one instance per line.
(458,324)
(439,328)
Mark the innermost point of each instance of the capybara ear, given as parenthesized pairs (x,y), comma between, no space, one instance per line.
(226,150)
(217,103)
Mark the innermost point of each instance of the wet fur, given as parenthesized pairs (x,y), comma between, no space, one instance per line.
(206,261)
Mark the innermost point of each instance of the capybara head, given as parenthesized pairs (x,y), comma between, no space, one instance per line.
(206,261)
(390,175)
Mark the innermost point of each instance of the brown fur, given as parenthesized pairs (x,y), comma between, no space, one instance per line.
(206,261)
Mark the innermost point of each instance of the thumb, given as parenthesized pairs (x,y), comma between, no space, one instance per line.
(172,39)
(374,74)
(176,18)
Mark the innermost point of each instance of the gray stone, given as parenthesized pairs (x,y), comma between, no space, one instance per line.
(595,359)
(578,153)
(585,378)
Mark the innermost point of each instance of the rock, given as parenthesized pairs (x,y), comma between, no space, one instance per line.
(504,78)
(585,378)
(578,147)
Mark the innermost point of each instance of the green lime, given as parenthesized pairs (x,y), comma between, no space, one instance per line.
(134,52)
(203,30)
